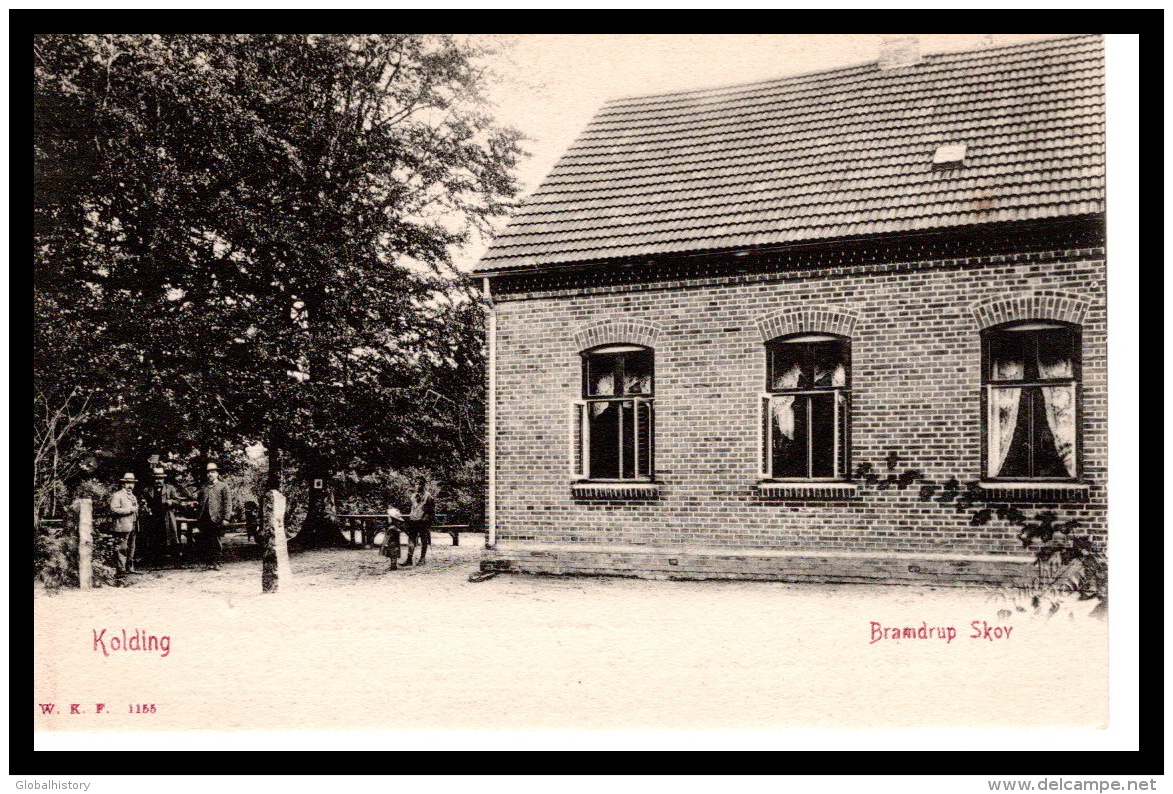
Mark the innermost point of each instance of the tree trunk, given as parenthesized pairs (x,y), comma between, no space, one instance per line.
(319,530)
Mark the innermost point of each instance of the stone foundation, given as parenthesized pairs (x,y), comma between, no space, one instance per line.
(648,562)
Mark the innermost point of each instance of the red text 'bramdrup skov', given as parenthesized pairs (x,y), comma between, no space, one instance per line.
(120,640)
(981,631)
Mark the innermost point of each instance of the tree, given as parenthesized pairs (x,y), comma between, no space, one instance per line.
(250,236)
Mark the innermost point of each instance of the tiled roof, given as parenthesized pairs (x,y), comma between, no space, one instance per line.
(842,153)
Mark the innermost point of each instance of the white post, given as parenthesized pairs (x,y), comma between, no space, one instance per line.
(85,543)
(284,572)
(491,430)
(275,571)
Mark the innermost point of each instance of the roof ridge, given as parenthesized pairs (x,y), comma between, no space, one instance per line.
(846,68)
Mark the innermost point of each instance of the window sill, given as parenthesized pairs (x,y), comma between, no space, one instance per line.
(806,490)
(1034,491)
(615,490)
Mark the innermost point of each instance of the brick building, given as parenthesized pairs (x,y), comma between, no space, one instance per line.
(723,306)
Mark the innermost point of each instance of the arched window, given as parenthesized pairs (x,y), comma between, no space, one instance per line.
(804,427)
(1030,371)
(612,426)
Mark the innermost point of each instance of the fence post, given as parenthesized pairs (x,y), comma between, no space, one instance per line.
(85,543)
(275,568)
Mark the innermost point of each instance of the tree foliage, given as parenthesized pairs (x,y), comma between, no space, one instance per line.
(248,237)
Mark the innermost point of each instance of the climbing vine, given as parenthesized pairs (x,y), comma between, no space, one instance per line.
(1066,562)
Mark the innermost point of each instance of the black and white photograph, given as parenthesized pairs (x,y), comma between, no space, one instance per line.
(590,383)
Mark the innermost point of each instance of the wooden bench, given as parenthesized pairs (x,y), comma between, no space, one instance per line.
(186,528)
(455,529)
(362,528)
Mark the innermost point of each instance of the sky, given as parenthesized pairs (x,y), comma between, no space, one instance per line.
(552,84)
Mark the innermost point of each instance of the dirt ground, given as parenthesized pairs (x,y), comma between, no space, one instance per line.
(353,645)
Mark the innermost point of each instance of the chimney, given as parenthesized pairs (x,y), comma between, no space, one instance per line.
(899,51)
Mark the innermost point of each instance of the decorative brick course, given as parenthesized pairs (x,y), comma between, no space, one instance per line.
(1039,304)
(798,491)
(797,319)
(996,492)
(622,331)
(614,491)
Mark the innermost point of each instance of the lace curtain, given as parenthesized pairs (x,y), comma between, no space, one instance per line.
(637,382)
(788,378)
(1060,405)
(604,383)
(782,408)
(1060,409)
(838,374)
(1004,407)
(1058,400)
(1054,361)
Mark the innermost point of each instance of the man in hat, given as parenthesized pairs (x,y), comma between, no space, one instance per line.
(214,514)
(166,498)
(419,523)
(124,506)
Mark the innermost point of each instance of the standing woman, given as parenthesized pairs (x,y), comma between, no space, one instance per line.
(419,521)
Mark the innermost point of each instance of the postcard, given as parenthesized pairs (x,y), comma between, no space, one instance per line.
(390,384)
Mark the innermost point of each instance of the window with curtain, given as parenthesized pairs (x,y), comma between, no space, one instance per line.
(1030,374)
(612,426)
(804,424)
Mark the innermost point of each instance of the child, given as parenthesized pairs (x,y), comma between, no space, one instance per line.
(390,547)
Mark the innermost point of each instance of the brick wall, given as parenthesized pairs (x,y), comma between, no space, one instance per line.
(916,379)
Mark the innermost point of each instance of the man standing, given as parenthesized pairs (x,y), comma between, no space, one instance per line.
(215,512)
(124,506)
(419,522)
(166,499)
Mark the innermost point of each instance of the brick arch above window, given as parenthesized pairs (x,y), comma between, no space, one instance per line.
(616,332)
(796,320)
(1041,304)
